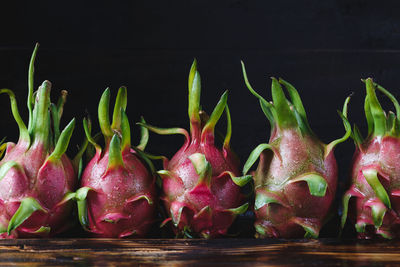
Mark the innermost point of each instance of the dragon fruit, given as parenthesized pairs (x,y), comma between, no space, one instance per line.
(296,178)
(35,173)
(375,204)
(117,197)
(202,183)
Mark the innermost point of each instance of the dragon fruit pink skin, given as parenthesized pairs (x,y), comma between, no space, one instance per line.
(373,200)
(35,173)
(295,181)
(201,183)
(117,197)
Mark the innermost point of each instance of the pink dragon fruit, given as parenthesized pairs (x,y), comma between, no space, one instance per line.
(201,183)
(375,171)
(117,197)
(295,181)
(35,173)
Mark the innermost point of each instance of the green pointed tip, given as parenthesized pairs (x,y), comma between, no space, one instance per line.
(377,113)
(378,213)
(347,126)
(56,122)
(87,126)
(317,184)
(31,72)
(193,70)
(228,135)
(115,154)
(309,232)
(248,85)
(215,115)
(267,108)
(125,131)
(371,175)
(23,131)
(254,155)
(27,207)
(285,116)
(241,180)
(345,203)
(298,106)
(120,104)
(239,210)
(391,97)
(295,97)
(41,118)
(356,135)
(360,227)
(63,141)
(80,197)
(5,167)
(202,167)
(77,161)
(3,147)
(165,131)
(61,101)
(194,83)
(263,199)
(144,135)
(104,117)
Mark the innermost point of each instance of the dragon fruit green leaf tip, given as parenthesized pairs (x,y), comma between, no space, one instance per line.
(372,202)
(296,178)
(35,173)
(117,197)
(202,183)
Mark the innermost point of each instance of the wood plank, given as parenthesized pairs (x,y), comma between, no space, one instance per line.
(221,252)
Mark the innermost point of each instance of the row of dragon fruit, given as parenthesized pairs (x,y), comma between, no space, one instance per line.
(201,188)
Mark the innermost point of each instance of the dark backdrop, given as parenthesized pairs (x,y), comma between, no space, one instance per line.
(322,47)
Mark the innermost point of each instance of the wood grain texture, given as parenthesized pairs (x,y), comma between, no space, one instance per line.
(197,252)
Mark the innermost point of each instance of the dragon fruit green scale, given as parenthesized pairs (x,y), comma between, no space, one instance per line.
(35,173)
(202,183)
(296,178)
(372,202)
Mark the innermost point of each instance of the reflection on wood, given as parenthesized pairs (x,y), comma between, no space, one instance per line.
(222,252)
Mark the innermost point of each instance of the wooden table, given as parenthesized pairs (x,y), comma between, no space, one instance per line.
(196,252)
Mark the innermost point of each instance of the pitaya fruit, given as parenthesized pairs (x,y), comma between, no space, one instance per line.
(117,197)
(296,178)
(375,171)
(35,173)
(201,183)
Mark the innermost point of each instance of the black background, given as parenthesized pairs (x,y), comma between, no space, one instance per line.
(322,47)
